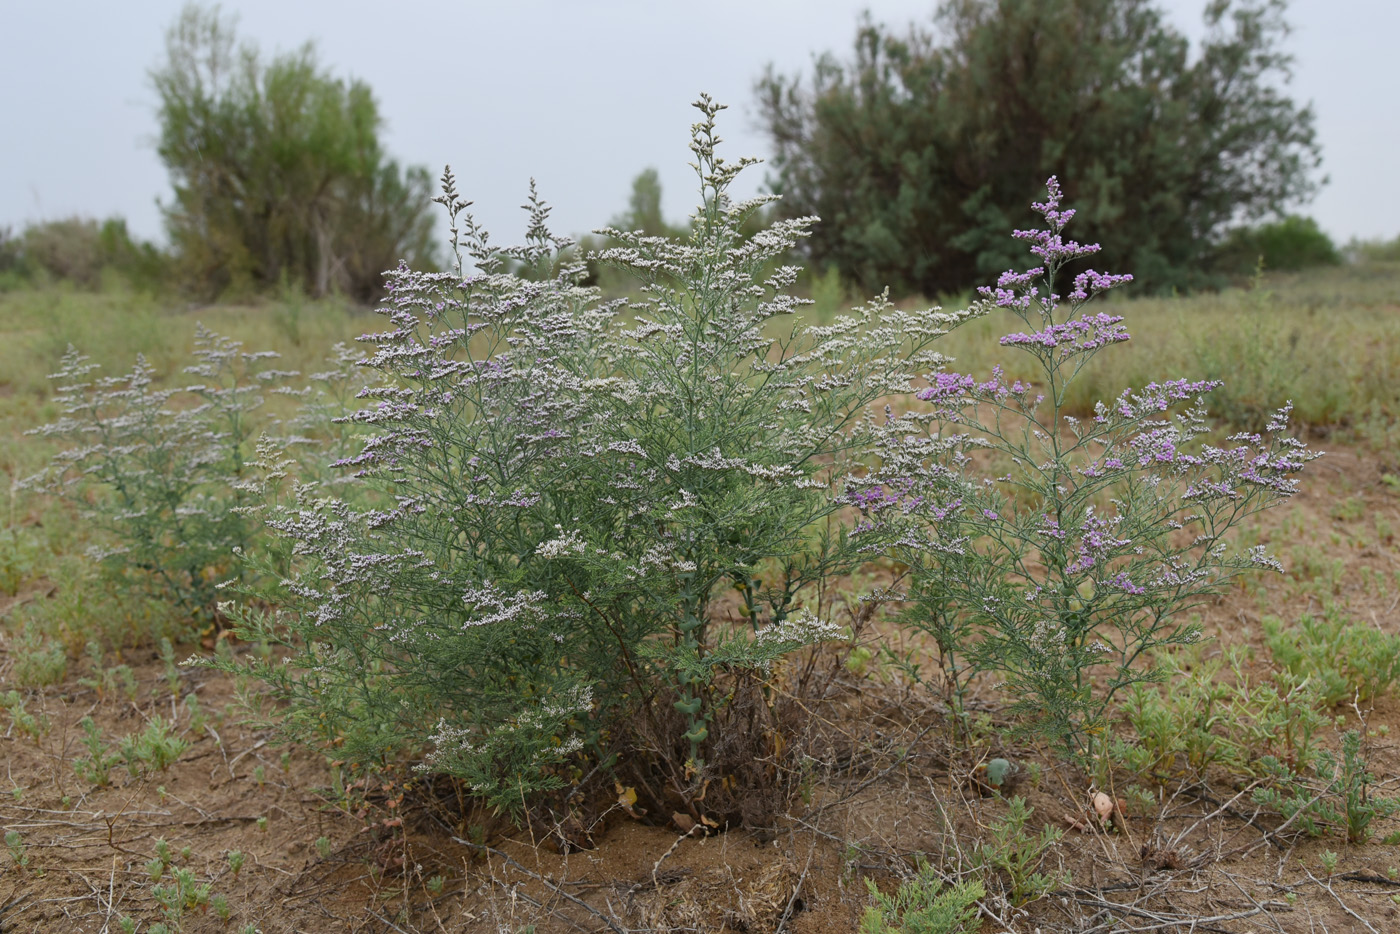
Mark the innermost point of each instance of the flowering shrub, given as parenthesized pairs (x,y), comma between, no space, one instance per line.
(605,521)
(1055,551)
(160,473)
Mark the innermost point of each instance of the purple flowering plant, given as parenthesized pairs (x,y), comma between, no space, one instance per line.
(1058,553)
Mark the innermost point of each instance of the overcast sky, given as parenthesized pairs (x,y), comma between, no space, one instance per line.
(581,94)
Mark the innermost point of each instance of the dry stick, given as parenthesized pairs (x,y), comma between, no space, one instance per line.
(1179,838)
(254,748)
(543,881)
(1269,834)
(1194,923)
(220,743)
(900,760)
(111,895)
(1338,899)
(797,889)
(656,866)
(1254,901)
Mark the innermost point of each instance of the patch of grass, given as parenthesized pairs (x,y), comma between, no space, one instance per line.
(1328,339)
(1349,660)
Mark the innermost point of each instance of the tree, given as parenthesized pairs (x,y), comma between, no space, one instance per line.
(644,207)
(278,171)
(920,152)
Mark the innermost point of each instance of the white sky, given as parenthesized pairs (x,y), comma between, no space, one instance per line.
(581,94)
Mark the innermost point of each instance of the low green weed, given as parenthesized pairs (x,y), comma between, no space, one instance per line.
(96,767)
(181,895)
(15,844)
(38,661)
(156,747)
(24,722)
(1018,855)
(924,905)
(171,668)
(106,680)
(1215,713)
(1350,660)
(1337,793)
(18,559)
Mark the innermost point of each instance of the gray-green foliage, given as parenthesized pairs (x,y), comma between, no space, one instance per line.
(160,472)
(278,170)
(575,485)
(24,722)
(14,842)
(1017,856)
(96,767)
(1335,793)
(156,747)
(921,150)
(1213,713)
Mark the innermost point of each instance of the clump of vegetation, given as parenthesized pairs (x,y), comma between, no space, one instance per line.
(1335,794)
(924,904)
(658,457)
(23,722)
(83,252)
(1063,564)
(1016,856)
(96,768)
(278,170)
(1288,245)
(156,747)
(161,473)
(926,142)
(1212,713)
(1350,660)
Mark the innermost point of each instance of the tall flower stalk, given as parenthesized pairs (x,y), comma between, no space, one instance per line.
(1053,551)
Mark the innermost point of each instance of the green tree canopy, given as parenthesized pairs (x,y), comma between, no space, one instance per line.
(921,151)
(278,171)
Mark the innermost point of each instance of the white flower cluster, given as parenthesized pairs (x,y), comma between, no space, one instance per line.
(803,628)
(564,544)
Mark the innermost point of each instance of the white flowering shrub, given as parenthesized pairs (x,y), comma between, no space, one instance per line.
(159,473)
(1054,551)
(602,520)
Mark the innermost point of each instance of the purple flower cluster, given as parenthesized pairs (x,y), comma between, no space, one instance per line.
(1089,283)
(1089,332)
(1096,543)
(949,387)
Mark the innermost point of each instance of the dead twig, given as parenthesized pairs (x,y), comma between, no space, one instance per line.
(483,848)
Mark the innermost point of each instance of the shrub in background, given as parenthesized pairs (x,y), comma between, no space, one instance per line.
(920,151)
(278,170)
(1054,551)
(1374,251)
(607,522)
(1288,245)
(81,251)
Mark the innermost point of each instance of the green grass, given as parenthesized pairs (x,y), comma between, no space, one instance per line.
(1328,339)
